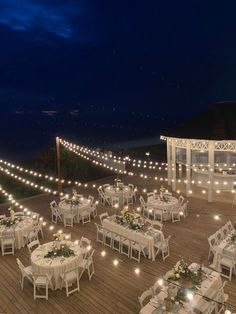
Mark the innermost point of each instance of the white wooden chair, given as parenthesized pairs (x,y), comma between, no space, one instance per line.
(125,246)
(85,245)
(212,246)
(100,237)
(115,201)
(146,294)
(116,242)
(227,263)
(157,215)
(8,243)
(55,212)
(31,236)
(181,200)
(103,216)
(91,199)
(93,210)
(163,247)
(157,225)
(221,298)
(69,218)
(229,226)
(144,207)
(25,272)
(107,234)
(70,278)
(41,281)
(175,213)
(135,251)
(84,216)
(32,245)
(87,264)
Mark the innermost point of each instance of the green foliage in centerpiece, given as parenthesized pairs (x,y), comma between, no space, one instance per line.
(63,250)
(233,237)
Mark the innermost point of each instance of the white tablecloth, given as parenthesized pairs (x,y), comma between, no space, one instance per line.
(147,239)
(156,203)
(21,229)
(57,266)
(76,209)
(122,193)
(209,287)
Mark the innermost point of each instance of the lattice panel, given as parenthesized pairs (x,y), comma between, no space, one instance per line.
(225,146)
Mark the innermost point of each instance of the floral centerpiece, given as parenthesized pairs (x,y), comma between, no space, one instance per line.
(187,275)
(12,220)
(162,196)
(131,219)
(62,251)
(59,236)
(118,183)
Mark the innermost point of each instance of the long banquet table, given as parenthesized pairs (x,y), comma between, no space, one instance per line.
(147,239)
(208,288)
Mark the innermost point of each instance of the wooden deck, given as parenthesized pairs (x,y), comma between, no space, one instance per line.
(113,289)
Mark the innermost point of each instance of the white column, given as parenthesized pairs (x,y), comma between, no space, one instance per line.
(173,167)
(169,162)
(188,167)
(211,162)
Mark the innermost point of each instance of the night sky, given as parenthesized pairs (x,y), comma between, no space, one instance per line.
(101,72)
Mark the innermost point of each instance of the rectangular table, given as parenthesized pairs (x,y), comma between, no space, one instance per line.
(146,239)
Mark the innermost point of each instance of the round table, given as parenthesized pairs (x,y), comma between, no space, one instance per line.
(166,206)
(77,209)
(55,267)
(21,230)
(122,193)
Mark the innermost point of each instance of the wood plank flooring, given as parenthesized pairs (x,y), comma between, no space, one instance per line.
(113,289)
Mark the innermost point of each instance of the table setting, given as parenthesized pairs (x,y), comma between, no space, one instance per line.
(56,257)
(119,190)
(183,288)
(19,225)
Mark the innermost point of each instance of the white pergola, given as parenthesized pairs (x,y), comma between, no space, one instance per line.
(191,145)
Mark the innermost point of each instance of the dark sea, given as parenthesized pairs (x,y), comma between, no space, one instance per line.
(25,134)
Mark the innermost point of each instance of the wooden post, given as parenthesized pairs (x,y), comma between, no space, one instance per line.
(59,184)
(188,167)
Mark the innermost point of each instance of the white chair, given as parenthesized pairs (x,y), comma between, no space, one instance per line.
(184,209)
(156,287)
(19,214)
(157,225)
(115,201)
(8,243)
(55,212)
(103,198)
(107,234)
(116,242)
(68,219)
(100,237)
(221,298)
(41,281)
(229,226)
(125,246)
(219,236)
(163,247)
(144,207)
(181,200)
(85,216)
(31,236)
(69,278)
(206,306)
(39,227)
(25,272)
(175,213)
(212,245)
(85,245)
(157,215)
(32,245)
(91,199)
(146,294)
(103,216)
(93,210)
(87,264)
(227,263)
(135,251)
(133,190)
